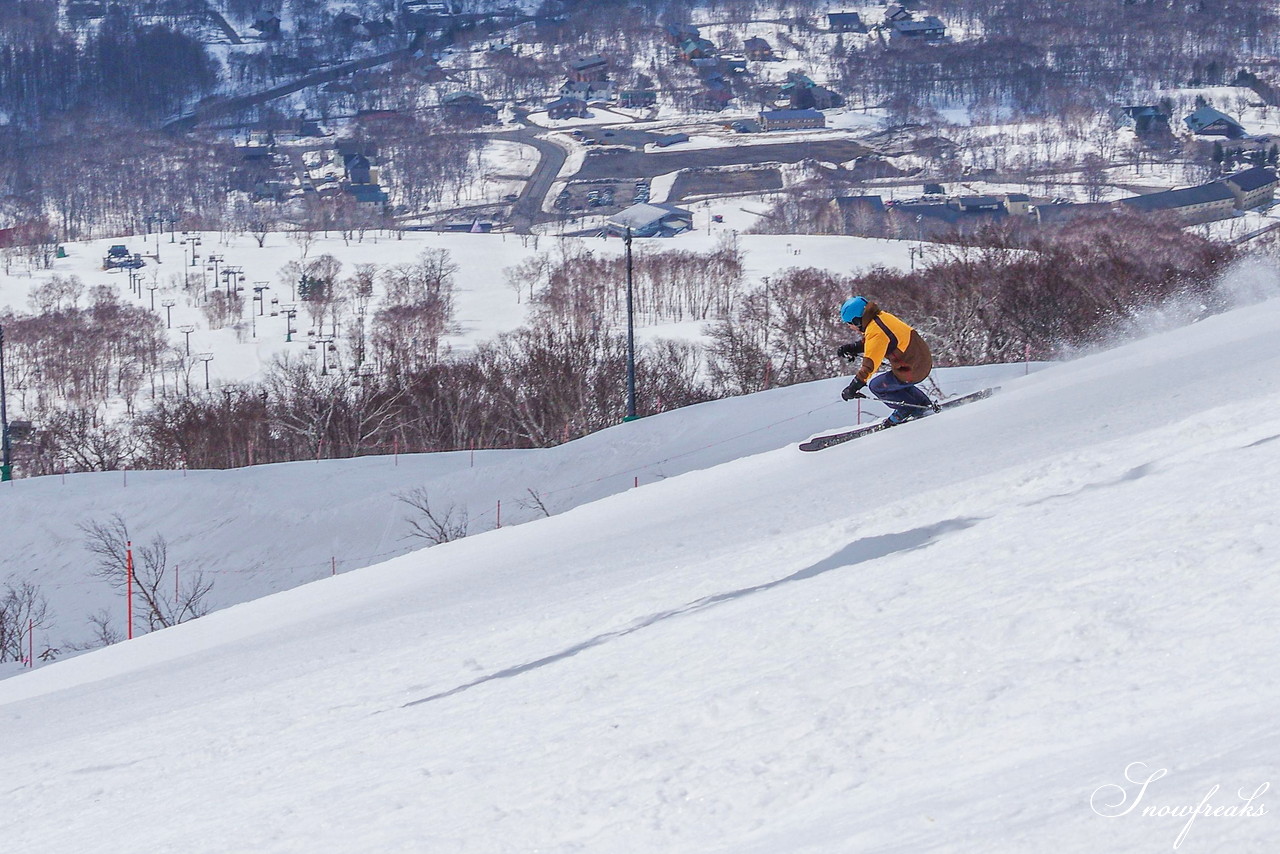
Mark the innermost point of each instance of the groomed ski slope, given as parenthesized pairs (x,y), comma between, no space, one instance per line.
(259,530)
(945,637)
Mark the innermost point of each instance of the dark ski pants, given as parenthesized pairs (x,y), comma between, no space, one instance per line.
(891,390)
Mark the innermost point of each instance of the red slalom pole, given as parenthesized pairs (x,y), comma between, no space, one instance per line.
(128,554)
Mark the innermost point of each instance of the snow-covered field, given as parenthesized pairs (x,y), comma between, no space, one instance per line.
(485,304)
(980,632)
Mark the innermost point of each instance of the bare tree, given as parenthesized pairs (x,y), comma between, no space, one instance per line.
(167,602)
(23,609)
(431,524)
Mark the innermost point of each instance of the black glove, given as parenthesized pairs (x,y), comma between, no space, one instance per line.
(853,389)
(850,352)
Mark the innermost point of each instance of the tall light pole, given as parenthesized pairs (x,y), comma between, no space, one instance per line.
(6,450)
(631,340)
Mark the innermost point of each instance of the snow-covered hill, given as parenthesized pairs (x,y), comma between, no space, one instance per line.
(263,529)
(958,635)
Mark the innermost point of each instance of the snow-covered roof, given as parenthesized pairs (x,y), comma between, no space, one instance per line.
(646,215)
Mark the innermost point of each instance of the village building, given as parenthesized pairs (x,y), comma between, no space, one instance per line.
(650,220)
(1207,121)
(567,108)
(1018,204)
(973,204)
(1252,188)
(791,119)
(637,98)
(589,68)
(928,29)
(845,22)
(1191,205)
(681,33)
(1143,119)
(468,108)
(758,49)
(588,90)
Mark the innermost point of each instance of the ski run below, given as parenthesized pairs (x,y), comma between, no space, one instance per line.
(982,631)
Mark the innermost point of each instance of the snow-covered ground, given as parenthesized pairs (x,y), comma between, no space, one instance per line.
(485,304)
(264,529)
(980,632)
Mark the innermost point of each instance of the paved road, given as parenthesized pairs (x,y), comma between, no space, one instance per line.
(635,165)
(528,208)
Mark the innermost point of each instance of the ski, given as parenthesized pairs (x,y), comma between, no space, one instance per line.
(817,443)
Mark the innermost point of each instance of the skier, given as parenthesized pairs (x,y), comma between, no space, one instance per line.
(885,336)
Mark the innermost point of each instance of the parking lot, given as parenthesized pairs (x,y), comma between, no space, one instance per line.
(601,196)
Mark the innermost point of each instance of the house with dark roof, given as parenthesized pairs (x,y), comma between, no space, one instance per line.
(923,220)
(681,33)
(350,146)
(468,107)
(845,22)
(268,28)
(972,204)
(1205,203)
(1207,121)
(1252,188)
(927,29)
(1144,119)
(791,119)
(367,194)
(897,12)
(758,49)
(358,169)
(589,68)
(650,220)
(637,97)
(697,49)
(567,108)
(713,98)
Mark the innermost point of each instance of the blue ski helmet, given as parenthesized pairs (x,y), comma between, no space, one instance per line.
(852,309)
